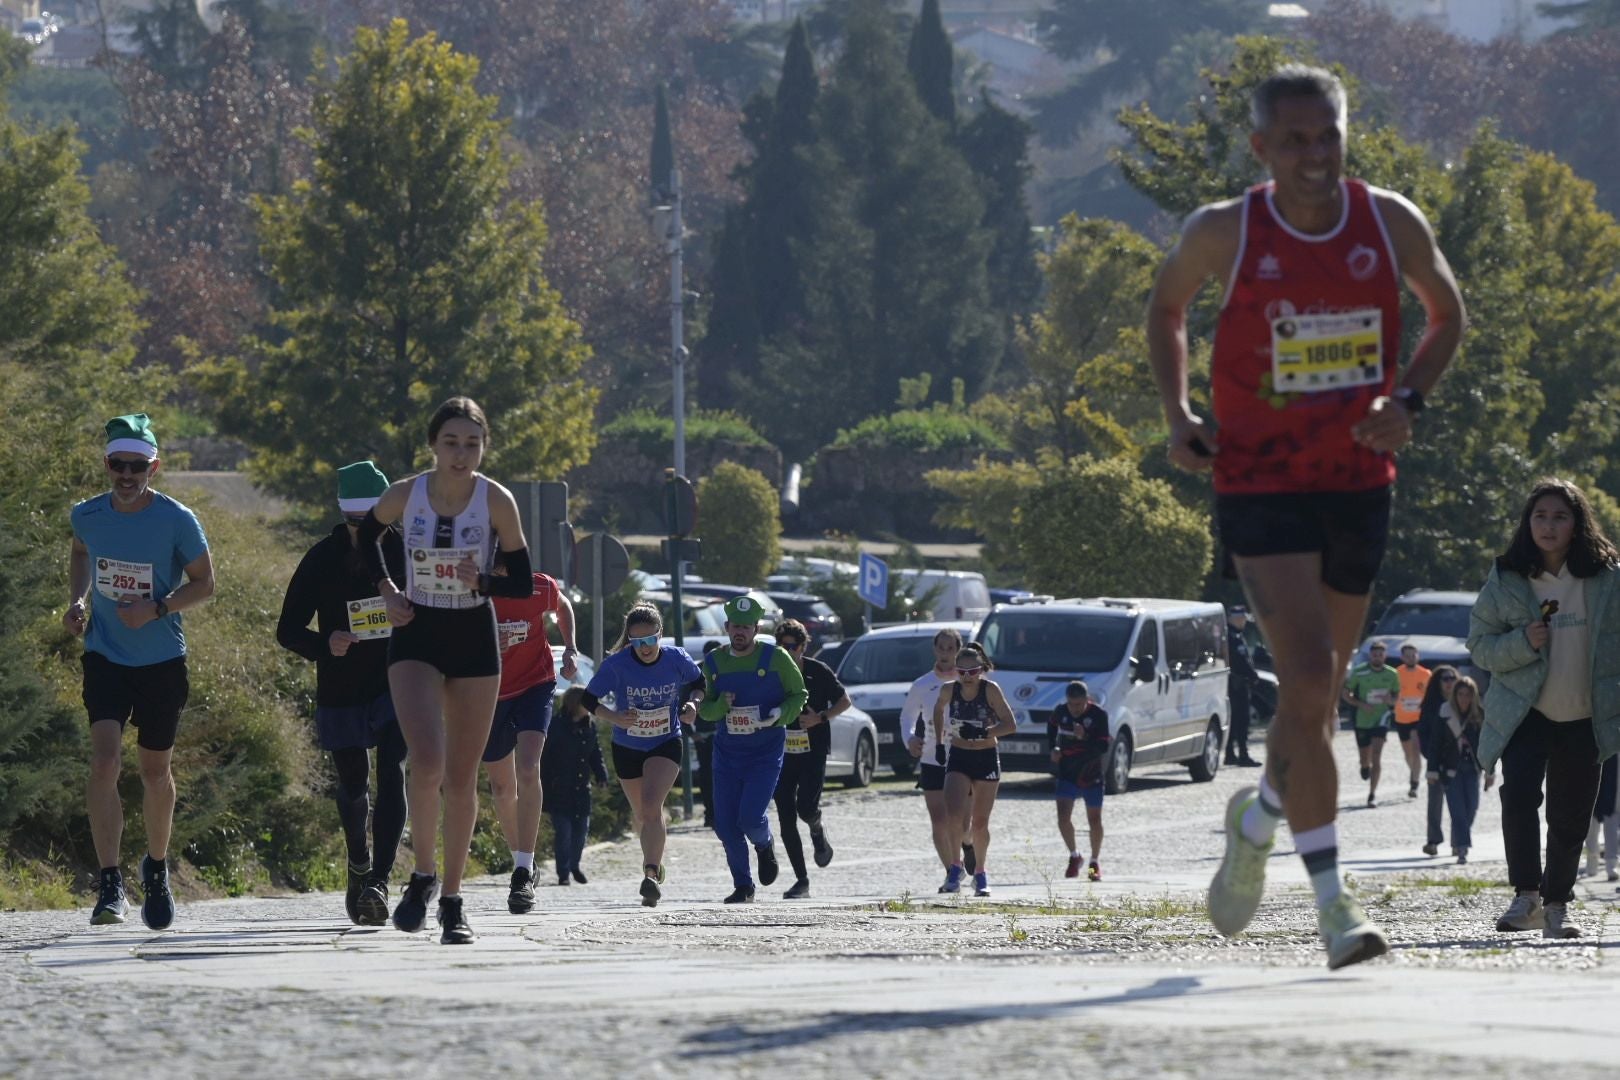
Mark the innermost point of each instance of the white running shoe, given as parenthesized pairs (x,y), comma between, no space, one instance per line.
(1348,934)
(1234,895)
(1554,925)
(1525,913)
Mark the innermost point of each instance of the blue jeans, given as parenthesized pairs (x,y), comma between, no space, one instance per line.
(1462,798)
(568,833)
(746,770)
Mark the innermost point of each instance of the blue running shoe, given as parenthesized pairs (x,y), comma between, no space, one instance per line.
(953,879)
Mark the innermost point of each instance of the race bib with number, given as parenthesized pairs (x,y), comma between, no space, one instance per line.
(1379,697)
(1411,704)
(512,633)
(745,720)
(798,741)
(648,723)
(120,581)
(1310,353)
(433,570)
(368,619)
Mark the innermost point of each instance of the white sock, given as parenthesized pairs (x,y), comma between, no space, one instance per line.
(1074,854)
(523,860)
(1261,818)
(1319,847)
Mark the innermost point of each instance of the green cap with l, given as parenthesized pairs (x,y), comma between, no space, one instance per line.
(743,611)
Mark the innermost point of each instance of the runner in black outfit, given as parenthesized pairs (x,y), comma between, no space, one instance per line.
(354,711)
(804,767)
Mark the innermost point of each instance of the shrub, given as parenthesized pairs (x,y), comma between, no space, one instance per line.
(739,523)
(934,429)
(654,433)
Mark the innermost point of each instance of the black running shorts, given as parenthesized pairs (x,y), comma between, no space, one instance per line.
(151,696)
(461,642)
(628,764)
(1349,529)
(975,764)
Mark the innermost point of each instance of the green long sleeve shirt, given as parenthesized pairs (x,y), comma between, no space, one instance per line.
(714,702)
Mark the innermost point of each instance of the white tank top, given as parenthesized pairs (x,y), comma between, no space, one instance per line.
(434,544)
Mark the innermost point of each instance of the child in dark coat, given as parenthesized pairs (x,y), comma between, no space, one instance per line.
(572,758)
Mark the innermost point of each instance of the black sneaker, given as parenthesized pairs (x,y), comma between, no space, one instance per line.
(767,862)
(579,875)
(372,907)
(410,914)
(1411,792)
(650,893)
(799,891)
(157,902)
(357,885)
(562,878)
(453,924)
(824,850)
(1366,772)
(111,904)
(970,859)
(740,896)
(520,900)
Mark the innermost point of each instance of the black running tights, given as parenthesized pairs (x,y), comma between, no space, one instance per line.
(353,769)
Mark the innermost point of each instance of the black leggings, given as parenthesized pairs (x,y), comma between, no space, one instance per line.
(353,768)
(798,798)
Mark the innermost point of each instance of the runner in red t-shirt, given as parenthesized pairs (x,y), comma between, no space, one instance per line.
(522,717)
(1311,403)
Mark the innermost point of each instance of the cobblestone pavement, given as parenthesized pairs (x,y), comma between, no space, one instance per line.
(876,975)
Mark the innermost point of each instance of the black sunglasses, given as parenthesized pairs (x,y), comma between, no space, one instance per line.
(122,465)
(790,644)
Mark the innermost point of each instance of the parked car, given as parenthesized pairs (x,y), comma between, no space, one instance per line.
(806,567)
(772,611)
(33,31)
(832,653)
(817,615)
(948,594)
(878,670)
(705,621)
(1008,596)
(1158,667)
(1436,622)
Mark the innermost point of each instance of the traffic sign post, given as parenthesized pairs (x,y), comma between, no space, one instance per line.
(872,584)
(680,518)
(604,565)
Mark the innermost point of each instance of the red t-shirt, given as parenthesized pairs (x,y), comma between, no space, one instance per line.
(1332,303)
(525,651)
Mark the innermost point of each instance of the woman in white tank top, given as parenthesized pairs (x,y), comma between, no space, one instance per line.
(444,663)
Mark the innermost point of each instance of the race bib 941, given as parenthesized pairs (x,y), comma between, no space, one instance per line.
(120,581)
(1311,353)
(433,570)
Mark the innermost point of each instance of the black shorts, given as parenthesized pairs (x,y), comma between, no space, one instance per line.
(975,764)
(931,777)
(355,727)
(151,696)
(629,764)
(529,711)
(1349,528)
(1366,736)
(461,643)
(1405,731)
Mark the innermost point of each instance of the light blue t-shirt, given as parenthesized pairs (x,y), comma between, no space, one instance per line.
(138,555)
(646,688)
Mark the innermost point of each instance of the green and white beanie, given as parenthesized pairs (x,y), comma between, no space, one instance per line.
(132,434)
(360,486)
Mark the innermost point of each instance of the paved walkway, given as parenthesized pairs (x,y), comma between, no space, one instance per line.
(877,975)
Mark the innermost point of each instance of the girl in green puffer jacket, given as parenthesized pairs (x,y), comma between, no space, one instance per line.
(1547,627)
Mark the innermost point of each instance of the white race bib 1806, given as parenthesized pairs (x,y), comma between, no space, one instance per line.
(648,723)
(368,619)
(1310,353)
(798,741)
(433,570)
(745,720)
(119,580)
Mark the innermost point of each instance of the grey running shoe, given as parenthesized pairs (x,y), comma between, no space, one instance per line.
(1555,927)
(1350,937)
(650,893)
(157,902)
(373,904)
(111,904)
(1525,913)
(1234,895)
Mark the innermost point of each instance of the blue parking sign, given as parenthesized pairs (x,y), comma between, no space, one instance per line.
(873,586)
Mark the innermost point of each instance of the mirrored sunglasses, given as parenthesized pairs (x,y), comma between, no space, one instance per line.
(646,641)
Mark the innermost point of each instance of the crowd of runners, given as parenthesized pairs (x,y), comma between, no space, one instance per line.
(432,653)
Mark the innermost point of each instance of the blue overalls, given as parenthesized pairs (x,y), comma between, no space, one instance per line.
(746,767)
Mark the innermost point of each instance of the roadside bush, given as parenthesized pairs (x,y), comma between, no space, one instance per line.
(738,520)
(654,433)
(933,429)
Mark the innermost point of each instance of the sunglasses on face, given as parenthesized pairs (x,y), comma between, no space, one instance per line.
(122,465)
(1448,678)
(789,644)
(969,670)
(646,641)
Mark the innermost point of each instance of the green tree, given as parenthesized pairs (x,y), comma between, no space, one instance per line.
(1121,534)
(741,526)
(1588,14)
(996,145)
(405,275)
(930,59)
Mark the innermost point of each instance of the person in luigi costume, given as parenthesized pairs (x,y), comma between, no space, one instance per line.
(752,691)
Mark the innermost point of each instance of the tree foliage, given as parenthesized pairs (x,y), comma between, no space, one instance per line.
(405,275)
(741,526)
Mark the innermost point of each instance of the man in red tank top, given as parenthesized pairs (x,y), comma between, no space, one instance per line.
(1310,403)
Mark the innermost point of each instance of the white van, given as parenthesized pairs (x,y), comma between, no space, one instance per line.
(948,595)
(1158,667)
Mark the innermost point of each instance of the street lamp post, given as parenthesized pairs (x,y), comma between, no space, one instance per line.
(677,319)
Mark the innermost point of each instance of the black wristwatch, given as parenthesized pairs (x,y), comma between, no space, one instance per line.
(1411,399)
(162,608)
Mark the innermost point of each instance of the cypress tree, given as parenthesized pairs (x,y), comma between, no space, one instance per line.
(663,150)
(996,145)
(931,60)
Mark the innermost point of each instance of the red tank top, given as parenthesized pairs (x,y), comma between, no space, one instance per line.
(525,651)
(1331,306)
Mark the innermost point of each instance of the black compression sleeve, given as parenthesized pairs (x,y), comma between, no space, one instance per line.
(590,701)
(518,581)
(369,541)
(696,686)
